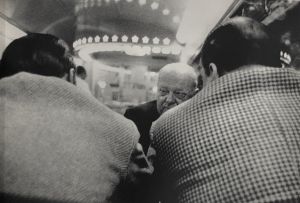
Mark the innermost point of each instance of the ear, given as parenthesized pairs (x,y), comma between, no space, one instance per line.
(213,71)
(72,76)
(196,91)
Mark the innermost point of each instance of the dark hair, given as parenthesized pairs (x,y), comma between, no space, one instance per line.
(240,41)
(81,72)
(42,54)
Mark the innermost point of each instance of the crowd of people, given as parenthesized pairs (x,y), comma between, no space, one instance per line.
(234,138)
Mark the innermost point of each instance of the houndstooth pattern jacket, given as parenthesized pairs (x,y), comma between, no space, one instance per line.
(238,140)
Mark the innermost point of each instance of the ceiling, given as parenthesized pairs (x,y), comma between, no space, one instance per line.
(72,19)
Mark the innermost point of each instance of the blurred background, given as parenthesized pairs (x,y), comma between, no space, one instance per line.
(123,43)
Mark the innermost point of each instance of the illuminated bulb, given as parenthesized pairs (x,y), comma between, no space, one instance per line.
(154,5)
(142,2)
(176,50)
(156,50)
(97,39)
(105,38)
(127,49)
(166,12)
(79,42)
(135,39)
(74,44)
(147,50)
(83,40)
(145,40)
(115,38)
(155,40)
(176,19)
(166,50)
(124,38)
(166,41)
(90,40)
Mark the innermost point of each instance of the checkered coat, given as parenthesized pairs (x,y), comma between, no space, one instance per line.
(238,140)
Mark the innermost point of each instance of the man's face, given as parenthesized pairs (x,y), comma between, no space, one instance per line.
(173,89)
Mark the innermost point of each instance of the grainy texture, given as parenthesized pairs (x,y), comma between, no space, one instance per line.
(238,140)
(59,143)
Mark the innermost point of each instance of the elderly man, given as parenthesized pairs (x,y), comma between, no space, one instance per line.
(57,143)
(177,83)
(238,139)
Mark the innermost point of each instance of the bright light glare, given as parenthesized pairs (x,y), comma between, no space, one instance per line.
(166,12)
(124,38)
(97,39)
(154,5)
(145,40)
(142,2)
(199,18)
(155,40)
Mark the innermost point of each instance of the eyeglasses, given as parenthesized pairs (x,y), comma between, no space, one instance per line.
(178,94)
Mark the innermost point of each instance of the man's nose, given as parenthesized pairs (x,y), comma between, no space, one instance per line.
(170,97)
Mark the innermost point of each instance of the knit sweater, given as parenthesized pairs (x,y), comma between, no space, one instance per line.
(58,143)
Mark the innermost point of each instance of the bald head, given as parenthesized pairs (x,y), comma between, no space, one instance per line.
(177,83)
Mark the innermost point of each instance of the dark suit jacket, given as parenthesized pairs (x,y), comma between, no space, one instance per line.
(143,115)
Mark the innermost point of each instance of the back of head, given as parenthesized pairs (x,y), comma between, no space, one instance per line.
(42,54)
(81,72)
(238,42)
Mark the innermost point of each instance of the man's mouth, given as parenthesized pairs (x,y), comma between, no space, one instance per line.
(165,108)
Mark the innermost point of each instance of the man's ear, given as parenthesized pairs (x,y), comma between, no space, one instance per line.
(72,76)
(196,91)
(213,71)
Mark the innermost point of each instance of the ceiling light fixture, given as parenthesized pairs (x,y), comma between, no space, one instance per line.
(155,40)
(156,50)
(124,38)
(166,12)
(147,50)
(166,41)
(166,50)
(105,38)
(97,39)
(154,5)
(176,49)
(135,39)
(114,38)
(145,39)
(74,44)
